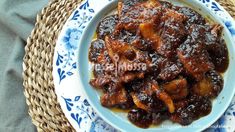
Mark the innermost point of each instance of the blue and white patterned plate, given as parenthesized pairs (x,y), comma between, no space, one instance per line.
(69,73)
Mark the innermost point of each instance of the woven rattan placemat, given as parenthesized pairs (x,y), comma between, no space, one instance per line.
(38,82)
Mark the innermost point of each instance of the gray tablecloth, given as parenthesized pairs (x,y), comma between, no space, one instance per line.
(17,18)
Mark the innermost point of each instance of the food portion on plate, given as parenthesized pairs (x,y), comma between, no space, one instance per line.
(159,61)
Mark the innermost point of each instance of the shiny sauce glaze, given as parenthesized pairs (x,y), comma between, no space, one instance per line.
(175,59)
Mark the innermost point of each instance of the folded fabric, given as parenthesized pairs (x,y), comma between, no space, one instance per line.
(17,18)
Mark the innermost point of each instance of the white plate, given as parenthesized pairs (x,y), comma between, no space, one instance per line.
(68,88)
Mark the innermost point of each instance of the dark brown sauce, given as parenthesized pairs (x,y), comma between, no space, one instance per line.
(184,53)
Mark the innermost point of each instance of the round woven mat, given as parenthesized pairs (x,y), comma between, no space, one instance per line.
(38,81)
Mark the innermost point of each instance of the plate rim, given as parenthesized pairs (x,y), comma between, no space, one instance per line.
(55,72)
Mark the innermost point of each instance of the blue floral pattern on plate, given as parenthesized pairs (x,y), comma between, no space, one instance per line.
(82,113)
(75,106)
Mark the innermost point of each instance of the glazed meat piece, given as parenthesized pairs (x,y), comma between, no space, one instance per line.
(148,88)
(147,102)
(118,98)
(157,61)
(195,59)
(216,48)
(177,89)
(125,53)
(106,26)
(166,4)
(142,44)
(148,33)
(116,47)
(210,36)
(142,12)
(163,96)
(170,71)
(132,38)
(100,82)
(195,107)
(130,76)
(124,7)
(140,118)
(166,69)
(123,49)
(125,36)
(192,16)
(173,33)
(103,80)
(140,85)
(197,33)
(210,86)
(97,51)
(168,35)
(219,56)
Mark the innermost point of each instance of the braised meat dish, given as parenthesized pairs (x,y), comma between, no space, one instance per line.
(159,61)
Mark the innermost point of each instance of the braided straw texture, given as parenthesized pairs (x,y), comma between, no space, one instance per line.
(44,109)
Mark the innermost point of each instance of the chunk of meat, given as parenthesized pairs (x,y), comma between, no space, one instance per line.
(177,89)
(219,56)
(147,102)
(197,33)
(203,88)
(195,59)
(116,47)
(117,50)
(125,36)
(196,107)
(147,31)
(132,38)
(124,53)
(98,52)
(165,69)
(100,82)
(118,98)
(210,36)
(140,13)
(210,86)
(179,104)
(172,15)
(142,44)
(217,48)
(173,33)
(183,93)
(141,85)
(175,86)
(130,54)
(163,96)
(130,76)
(170,71)
(138,102)
(125,5)
(107,26)
(192,16)
(167,36)
(157,61)
(217,81)
(140,118)
(166,4)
